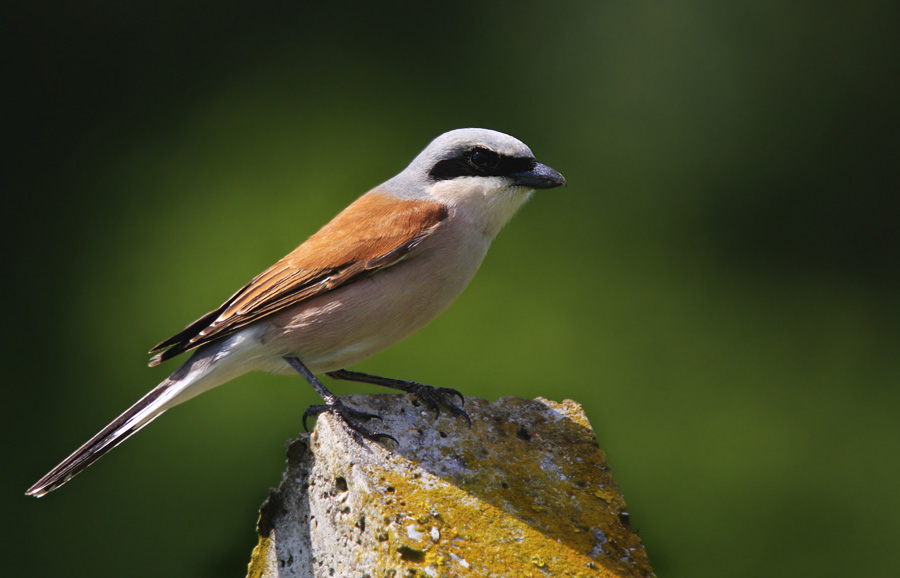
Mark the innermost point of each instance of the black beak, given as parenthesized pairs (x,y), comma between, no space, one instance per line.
(540,177)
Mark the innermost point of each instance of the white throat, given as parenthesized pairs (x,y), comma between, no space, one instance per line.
(488,200)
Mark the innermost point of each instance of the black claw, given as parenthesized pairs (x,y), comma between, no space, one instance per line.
(356,430)
(461,413)
(347,417)
(465,415)
(342,410)
(437,397)
(451,391)
(363,415)
(314,410)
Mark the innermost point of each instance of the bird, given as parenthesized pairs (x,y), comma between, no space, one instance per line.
(379,271)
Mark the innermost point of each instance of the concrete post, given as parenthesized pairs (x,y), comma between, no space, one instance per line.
(524,491)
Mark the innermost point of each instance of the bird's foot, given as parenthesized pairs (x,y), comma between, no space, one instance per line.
(436,398)
(348,418)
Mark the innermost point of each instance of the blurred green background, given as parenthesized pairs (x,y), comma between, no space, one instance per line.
(718,286)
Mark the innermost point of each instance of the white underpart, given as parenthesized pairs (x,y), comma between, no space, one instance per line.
(487,199)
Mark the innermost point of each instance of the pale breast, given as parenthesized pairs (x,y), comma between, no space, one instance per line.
(356,321)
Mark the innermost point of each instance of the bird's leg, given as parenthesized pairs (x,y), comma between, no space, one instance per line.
(345,415)
(434,397)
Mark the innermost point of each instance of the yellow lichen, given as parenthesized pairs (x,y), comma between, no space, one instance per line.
(256,567)
(512,534)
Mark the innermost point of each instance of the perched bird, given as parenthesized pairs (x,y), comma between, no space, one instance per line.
(382,269)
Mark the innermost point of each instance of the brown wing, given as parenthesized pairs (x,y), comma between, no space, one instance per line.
(373,232)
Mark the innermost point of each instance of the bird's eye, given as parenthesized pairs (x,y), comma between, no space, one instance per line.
(484,159)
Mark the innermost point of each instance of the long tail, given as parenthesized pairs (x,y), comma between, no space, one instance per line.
(189,380)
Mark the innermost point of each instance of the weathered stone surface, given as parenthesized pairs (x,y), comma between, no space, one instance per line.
(525,491)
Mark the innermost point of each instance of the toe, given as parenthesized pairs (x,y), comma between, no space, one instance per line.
(443,397)
(313,410)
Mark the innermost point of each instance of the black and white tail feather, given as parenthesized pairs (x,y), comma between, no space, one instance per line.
(191,379)
(131,421)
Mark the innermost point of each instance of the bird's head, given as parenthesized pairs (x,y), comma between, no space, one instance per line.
(482,172)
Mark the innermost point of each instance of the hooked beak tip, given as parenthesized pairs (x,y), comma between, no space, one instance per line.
(540,177)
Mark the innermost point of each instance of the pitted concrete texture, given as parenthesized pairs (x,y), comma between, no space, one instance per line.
(524,491)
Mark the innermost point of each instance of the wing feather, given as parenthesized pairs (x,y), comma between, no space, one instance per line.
(374,232)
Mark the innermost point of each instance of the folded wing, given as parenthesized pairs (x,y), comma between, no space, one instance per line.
(374,232)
